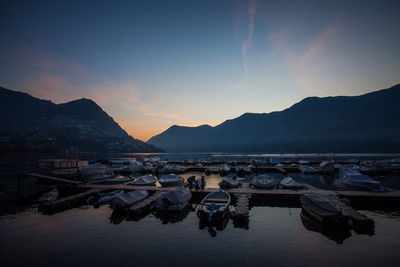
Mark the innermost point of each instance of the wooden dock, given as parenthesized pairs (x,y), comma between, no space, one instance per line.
(54,179)
(67,202)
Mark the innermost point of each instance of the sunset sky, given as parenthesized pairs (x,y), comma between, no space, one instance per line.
(153,64)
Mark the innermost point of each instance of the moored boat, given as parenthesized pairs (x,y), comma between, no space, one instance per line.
(224,170)
(96,171)
(305,169)
(144,180)
(264,182)
(128,199)
(321,207)
(175,200)
(354,180)
(49,196)
(134,166)
(214,206)
(172,179)
(228,183)
(290,183)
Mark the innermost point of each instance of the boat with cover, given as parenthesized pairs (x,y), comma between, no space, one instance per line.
(108,197)
(327,167)
(264,181)
(352,179)
(321,207)
(224,170)
(129,198)
(170,180)
(144,180)
(175,200)
(214,206)
(228,183)
(305,169)
(96,171)
(290,183)
(118,180)
(134,166)
(49,196)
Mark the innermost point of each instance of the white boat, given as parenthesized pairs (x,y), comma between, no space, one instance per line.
(96,171)
(175,200)
(129,198)
(321,207)
(352,179)
(170,180)
(228,183)
(264,181)
(49,196)
(134,166)
(290,183)
(214,206)
(144,180)
(327,167)
(305,169)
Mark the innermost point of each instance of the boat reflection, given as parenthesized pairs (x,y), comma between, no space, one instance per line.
(219,224)
(173,216)
(337,234)
(120,215)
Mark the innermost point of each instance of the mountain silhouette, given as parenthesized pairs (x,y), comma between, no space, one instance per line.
(342,124)
(29,123)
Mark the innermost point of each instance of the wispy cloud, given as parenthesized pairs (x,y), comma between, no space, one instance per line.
(247,44)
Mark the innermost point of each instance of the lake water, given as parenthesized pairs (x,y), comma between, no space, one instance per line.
(274,236)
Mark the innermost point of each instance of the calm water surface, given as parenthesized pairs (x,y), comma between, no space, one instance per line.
(275,237)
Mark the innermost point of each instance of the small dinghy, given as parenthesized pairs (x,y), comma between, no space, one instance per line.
(107,197)
(49,196)
(290,183)
(321,207)
(228,183)
(305,169)
(170,180)
(264,182)
(175,200)
(129,198)
(144,180)
(214,206)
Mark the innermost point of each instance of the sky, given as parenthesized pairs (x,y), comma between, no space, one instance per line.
(154,64)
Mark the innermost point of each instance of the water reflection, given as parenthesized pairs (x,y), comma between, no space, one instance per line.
(167,217)
(333,233)
(219,224)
